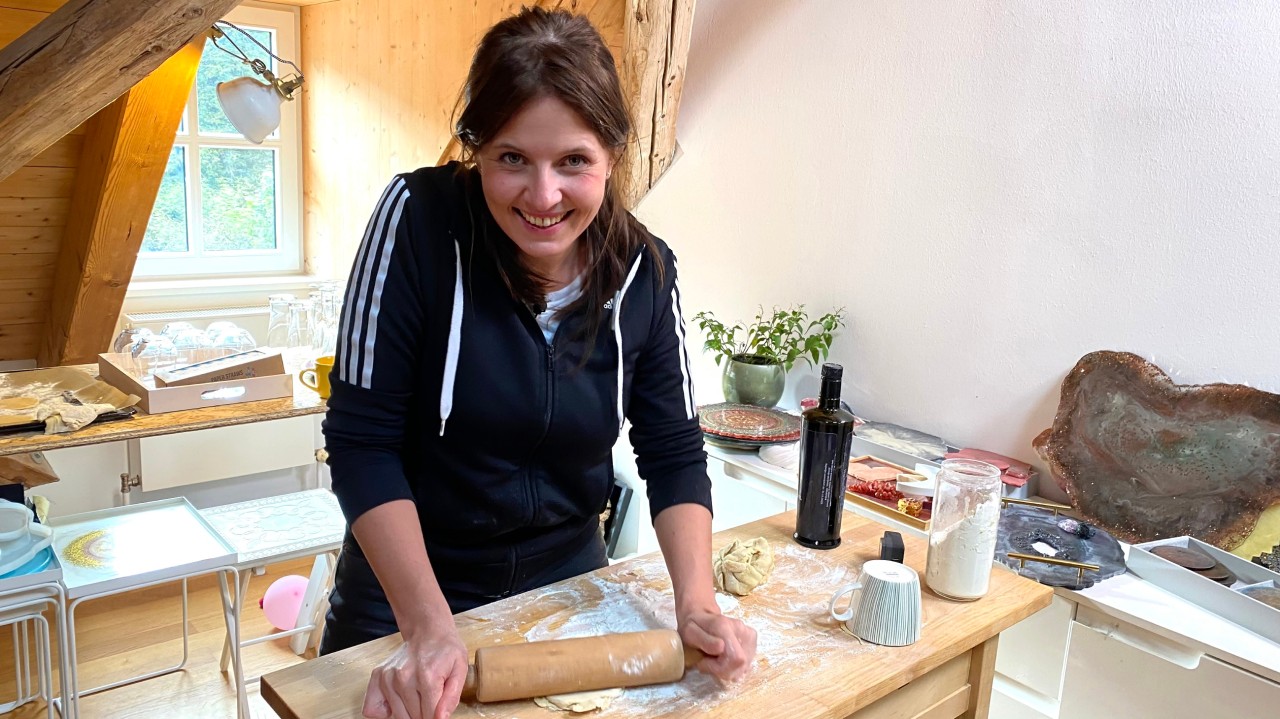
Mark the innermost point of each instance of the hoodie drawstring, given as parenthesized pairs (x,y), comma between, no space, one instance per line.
(455,344)
(617,332)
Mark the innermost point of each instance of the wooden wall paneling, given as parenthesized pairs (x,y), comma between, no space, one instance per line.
(29,294)
(19,341)
(83,56)
(382,80)
(33,211)
(62,153)
(126,150)
(32,264)
(24,240)
(29,312)
(36,181)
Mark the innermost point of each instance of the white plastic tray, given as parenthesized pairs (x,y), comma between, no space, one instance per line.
(117,548)
(1201,591)
(51,574)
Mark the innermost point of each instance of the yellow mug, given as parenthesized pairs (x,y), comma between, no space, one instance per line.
(319,377)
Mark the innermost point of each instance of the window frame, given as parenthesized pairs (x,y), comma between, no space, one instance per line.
(288,257)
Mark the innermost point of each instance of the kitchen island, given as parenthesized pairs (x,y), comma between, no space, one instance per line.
(807,666)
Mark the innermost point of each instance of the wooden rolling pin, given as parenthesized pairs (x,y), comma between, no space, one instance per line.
(561,666)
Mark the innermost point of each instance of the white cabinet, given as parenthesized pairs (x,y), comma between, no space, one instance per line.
(210,466)
(1119,671)
(1030,663)
(739,500)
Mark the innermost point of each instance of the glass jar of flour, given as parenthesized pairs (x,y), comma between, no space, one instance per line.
(962,532)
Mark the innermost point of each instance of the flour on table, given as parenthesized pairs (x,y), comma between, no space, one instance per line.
(794,629)
(579,702)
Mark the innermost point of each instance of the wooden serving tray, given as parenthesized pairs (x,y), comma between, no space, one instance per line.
(885,507)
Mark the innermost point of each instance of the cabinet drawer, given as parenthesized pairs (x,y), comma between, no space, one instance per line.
(176,460)
(1033,652)
(1110,674)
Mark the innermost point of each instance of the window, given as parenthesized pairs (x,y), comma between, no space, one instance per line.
(227,206)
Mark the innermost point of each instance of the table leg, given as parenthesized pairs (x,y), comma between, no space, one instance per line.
(66,678)
(244,590)
(43,660)
(982,672)
(231,613)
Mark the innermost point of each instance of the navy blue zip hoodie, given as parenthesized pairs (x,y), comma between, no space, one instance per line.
(445,391)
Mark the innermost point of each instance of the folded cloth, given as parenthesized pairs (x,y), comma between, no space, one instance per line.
(60,415)
(785,455)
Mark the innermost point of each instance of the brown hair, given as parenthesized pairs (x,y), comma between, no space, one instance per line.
(538,53)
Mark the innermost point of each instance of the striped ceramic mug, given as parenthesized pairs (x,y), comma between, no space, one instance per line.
(886,607)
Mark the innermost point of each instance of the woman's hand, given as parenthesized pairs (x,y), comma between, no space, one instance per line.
(421,680)
(729,644)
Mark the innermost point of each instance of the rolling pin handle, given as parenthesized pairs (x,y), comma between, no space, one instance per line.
(692,657)
(469,686)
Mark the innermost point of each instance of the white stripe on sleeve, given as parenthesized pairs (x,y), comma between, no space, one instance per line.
(371,338)
(684,358)
(375,251)
(345,339)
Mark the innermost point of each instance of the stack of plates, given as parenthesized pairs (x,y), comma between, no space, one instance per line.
(743,426)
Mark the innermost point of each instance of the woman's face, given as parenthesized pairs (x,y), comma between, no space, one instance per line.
(544,180)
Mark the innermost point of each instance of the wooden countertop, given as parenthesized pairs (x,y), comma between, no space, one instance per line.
(304,401)
(807,667)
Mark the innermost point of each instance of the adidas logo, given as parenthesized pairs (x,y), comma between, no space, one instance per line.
(608,304)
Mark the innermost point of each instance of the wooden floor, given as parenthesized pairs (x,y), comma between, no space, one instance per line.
(135,632)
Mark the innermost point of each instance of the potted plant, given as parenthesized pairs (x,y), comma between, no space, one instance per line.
(759,355)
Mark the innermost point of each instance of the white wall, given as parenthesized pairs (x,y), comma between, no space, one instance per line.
(991,189)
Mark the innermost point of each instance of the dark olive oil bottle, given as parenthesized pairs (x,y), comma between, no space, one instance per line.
(825,442)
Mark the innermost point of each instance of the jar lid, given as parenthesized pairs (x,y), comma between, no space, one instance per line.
(972,473)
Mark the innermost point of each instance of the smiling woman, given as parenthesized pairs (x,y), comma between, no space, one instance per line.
(477,394)
(544,179)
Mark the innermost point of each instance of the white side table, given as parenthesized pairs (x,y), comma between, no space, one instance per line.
(23,601)
(116,550)
(277,529)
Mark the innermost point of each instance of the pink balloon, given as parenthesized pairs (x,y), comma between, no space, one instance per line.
(283,600)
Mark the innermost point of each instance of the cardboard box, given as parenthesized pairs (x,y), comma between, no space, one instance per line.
(244,365)
(1204,592)
(114,369)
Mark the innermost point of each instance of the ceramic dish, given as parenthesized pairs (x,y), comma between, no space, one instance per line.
(745,422)
(731,443)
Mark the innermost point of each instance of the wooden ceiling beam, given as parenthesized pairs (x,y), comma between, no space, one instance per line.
(655,53)
(126,149)
(80,58)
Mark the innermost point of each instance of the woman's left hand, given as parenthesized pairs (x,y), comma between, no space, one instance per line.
(729,644)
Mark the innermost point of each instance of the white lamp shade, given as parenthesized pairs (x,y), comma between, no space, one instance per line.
(252,106)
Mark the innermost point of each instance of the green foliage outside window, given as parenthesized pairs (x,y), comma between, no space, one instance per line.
(237,185)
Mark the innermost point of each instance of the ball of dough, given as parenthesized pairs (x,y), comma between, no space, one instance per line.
(741,566)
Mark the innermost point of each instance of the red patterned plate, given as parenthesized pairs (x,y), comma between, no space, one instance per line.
(743,421)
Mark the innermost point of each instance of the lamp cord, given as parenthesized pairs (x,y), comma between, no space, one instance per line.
(243,56)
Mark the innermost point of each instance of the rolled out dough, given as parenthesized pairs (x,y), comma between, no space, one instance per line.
(579,702)
(741,566)
(18,403)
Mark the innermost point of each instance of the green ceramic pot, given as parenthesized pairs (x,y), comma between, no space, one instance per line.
(752,379)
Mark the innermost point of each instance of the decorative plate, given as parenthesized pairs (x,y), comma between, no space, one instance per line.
(745,422)
(731,443)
